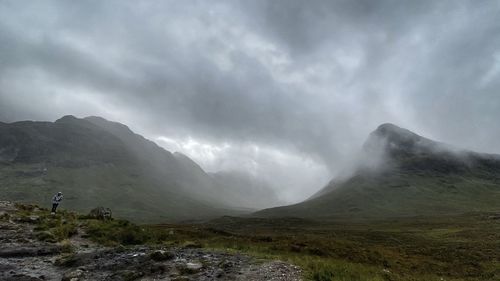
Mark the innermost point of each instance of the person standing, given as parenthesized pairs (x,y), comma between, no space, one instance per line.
(55,201)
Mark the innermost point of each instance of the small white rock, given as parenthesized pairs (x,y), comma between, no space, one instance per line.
(193,265)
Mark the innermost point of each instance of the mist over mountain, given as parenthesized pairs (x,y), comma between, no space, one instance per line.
(95,162)
(401,173)
(304,82)
(246,190)
(349,138)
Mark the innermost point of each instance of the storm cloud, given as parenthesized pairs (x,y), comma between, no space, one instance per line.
(288,90)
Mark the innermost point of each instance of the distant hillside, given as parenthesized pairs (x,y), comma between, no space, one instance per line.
(245,190)
(404,174)
(236,189)
(95,162)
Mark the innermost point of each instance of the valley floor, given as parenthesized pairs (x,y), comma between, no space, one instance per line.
(68,246)
(451,248)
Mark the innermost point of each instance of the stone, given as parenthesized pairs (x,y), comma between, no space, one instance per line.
(101,213)
(73,275)
(194,266)
(34,219)
(161,255)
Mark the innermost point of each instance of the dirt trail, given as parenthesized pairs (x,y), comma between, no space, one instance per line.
(24,257)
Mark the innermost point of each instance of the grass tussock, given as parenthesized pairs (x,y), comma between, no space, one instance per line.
(114,232)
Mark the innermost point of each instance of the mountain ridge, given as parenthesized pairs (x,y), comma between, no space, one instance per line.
(404,174)
(97,162)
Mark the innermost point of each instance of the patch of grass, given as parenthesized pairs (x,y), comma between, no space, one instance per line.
(448,248)
(65,231)
(67,260)
(59,227)
(327,270)
(192,244)
(47,227)
(114,232)
(67,247)
(46,236)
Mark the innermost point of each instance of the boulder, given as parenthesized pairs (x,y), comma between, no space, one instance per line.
(101,213)
(160,255)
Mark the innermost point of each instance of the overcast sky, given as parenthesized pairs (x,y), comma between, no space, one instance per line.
(287,90)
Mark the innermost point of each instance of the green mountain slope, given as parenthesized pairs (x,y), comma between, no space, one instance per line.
(404,174)
(95,162)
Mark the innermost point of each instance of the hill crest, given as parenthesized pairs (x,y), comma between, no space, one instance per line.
(401,173)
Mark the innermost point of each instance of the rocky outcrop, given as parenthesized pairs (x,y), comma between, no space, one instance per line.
(101,213)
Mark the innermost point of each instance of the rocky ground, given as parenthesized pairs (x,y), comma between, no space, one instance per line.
(24,257)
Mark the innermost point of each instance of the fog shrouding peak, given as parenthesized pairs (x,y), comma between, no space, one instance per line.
(391,139)
(283,90)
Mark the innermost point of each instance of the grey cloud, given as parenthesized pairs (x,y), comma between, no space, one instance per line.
(308,78)
(305,26)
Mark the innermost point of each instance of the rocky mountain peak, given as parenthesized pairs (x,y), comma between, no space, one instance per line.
(395,134)
(109,125)
(394,140)
(67,119)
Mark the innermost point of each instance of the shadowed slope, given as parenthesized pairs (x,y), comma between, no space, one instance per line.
(97,162)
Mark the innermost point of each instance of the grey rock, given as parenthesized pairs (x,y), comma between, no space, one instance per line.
(73,275)
(29,251)
(194,266)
